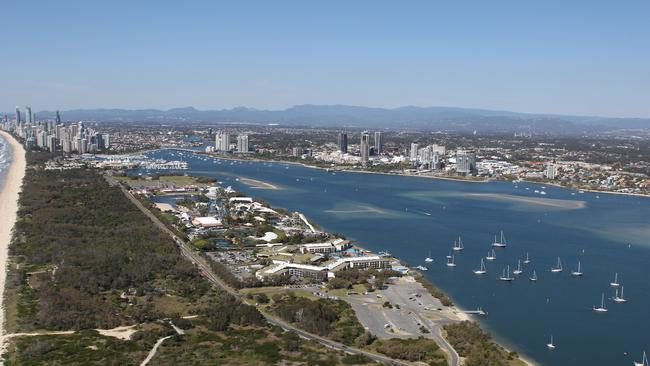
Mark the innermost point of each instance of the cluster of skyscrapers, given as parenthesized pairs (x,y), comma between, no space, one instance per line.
(428,156)
(365,150)
(222,143)
(431,157)
(54,135)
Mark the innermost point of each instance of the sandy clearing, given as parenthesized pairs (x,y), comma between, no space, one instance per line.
(124,332)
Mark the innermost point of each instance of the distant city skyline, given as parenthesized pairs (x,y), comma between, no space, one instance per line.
(574,58)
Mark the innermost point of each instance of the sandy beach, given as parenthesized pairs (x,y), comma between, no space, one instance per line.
(254,183)
(8,207)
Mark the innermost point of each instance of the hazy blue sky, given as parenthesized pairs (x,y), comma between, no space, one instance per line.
(568,56)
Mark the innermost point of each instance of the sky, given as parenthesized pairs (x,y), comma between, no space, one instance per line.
(564,57)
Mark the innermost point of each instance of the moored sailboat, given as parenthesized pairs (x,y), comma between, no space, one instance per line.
(601,308)
(558,267)
(551,345)
(458,245)
(428,259)
(619,299)
(533,278)
(501,243)
(450,262)
(491,256)
(505,276)
(615,283)
(481,270)
(577,272)
(518,271)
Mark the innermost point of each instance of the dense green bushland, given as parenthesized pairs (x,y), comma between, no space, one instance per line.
(476,345)
(420,350)
(101,262)
(329,318)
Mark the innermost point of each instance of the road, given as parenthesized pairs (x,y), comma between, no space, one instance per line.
(154,350)
(401,293)
(193,256)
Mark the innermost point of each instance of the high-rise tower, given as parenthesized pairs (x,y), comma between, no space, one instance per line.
(365,147)
(343,142)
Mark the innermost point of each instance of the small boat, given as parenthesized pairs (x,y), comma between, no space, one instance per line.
(533,278)
(505,276)
(518,271)
(644,361)
(481,270)
(550,345)
(619,299)
(458,245)
(527,260)
(491,256)
(601,308)
(450,262)
(558,267)
(615,283)
(428,259)
(422,268)
(501,243)
(578,272)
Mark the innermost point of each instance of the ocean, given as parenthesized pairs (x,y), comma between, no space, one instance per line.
(413,217)
(5,159)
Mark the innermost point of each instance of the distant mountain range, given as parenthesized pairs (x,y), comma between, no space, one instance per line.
(426,118)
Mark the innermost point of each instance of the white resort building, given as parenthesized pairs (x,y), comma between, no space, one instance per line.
(322,272)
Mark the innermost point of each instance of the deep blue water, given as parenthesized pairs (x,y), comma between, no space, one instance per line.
(611,234)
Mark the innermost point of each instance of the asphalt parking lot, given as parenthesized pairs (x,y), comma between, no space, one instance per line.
(413,310)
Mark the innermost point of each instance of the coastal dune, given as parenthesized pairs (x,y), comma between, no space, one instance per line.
(9,192)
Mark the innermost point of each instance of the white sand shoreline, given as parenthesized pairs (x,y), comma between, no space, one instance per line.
(9,193)
(254,183)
